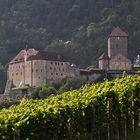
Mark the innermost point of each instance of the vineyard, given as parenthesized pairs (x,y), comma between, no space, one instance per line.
(103,111)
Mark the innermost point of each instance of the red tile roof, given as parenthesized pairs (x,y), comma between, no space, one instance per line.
(118,32)
(20,56)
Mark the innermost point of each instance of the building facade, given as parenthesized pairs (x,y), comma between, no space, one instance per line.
(33,68)
(117,56)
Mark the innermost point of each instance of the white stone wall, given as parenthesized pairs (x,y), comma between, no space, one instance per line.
(39,72)
(27,73)
(16,73)
(57,70)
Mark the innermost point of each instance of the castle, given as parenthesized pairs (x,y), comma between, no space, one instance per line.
(117,56)
(33,68)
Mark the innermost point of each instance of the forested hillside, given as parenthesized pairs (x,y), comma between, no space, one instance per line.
(77,27)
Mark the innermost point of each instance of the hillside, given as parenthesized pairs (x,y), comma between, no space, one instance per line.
(92,112)
(79,28)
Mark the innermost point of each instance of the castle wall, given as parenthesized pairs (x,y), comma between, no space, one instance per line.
(39,72)
(120,62)
(117,45)
(57,70)
(16,73)
(103,64)
(27,73)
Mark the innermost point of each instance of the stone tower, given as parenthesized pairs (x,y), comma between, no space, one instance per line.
(117,43)
(117,57)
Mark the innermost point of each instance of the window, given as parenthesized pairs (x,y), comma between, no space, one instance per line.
(56,73)
(12,74)
(61,63)
(51,73)
(21,73)
(36,70)
(39,77)
(58,63)
(41,70)
(16,73)
(51,63)
(61,74)
(59,69)
(50,68)
(55,63)
(63,69)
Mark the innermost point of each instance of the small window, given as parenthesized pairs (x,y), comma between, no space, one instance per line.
(51,73)
(55,63)
(36,70)
(50,68)
(39,77)
(21,73)
(61,63)
(56,73)
(41,70)
(63,69)
(59,69)
(51,78)
(16,73)
(61,74)
(58,63)
(51,63)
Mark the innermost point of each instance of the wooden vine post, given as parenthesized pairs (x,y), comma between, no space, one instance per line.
(139,117)
(133,112)
(109,118)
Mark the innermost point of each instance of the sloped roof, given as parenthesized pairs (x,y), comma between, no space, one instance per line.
(118,32)
(20,56)
(42,55)
(103,56)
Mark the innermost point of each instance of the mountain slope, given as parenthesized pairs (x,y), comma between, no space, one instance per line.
(79,28)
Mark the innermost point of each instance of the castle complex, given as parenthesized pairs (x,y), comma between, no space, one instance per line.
(117,56)
(33,68)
